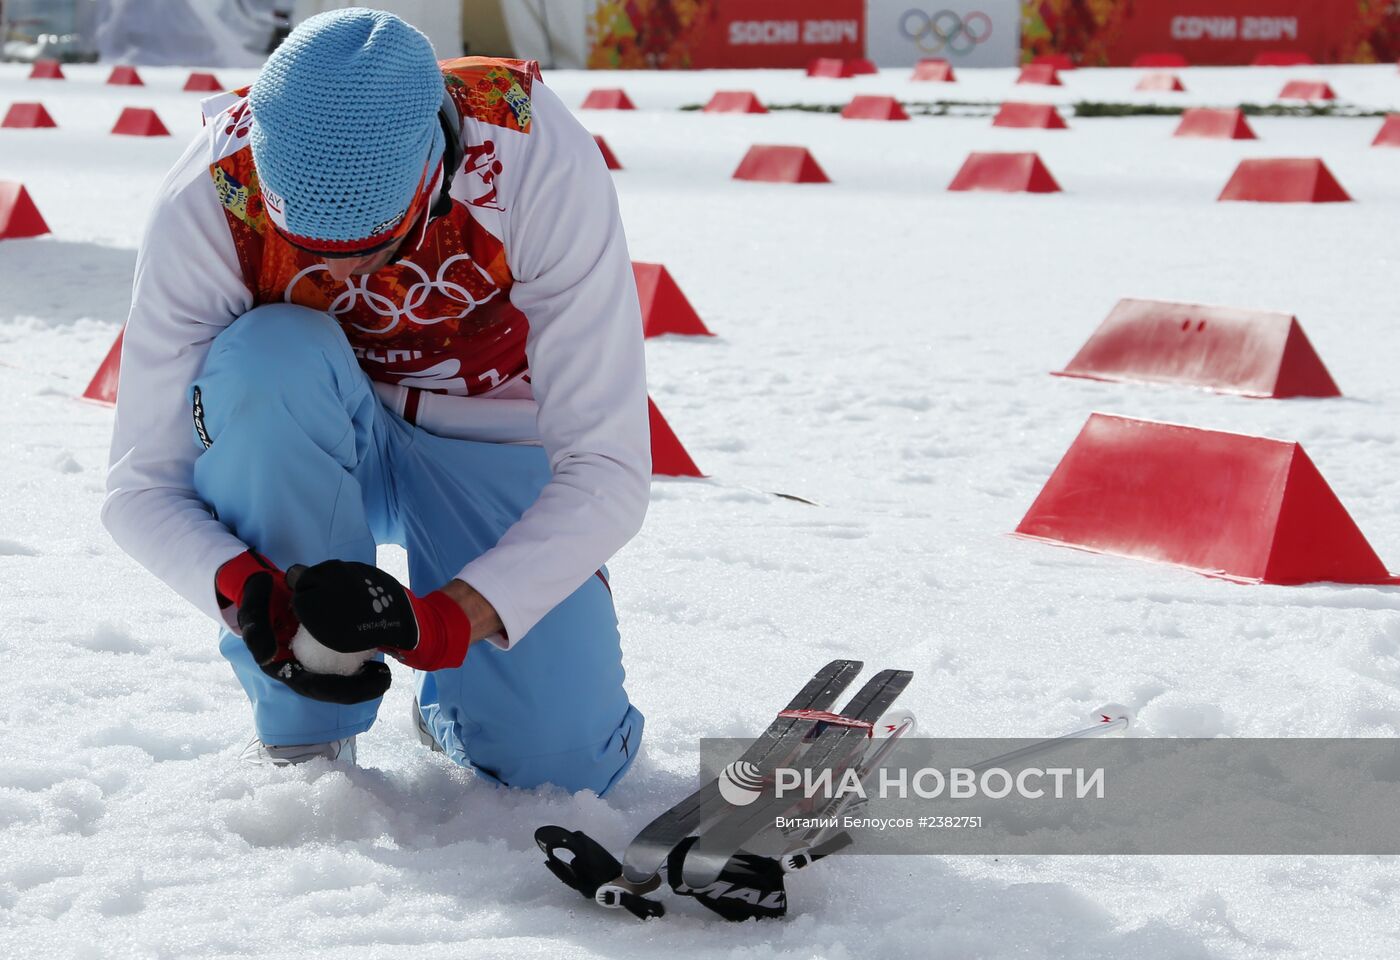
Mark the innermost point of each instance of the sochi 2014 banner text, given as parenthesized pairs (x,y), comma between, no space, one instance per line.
(699,34)
(1224,32)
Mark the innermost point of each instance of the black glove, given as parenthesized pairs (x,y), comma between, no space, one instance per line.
(353,607)
(268,622)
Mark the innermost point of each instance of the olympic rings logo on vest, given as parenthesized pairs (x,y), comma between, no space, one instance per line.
(436,293)
(945,30)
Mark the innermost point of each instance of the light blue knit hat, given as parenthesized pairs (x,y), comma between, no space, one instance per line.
(345,114)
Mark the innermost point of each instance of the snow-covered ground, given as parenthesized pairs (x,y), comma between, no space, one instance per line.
(883,350)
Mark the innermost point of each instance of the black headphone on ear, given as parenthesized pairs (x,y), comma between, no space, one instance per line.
(452,153)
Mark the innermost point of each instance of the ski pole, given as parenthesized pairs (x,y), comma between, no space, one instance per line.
(1112,717)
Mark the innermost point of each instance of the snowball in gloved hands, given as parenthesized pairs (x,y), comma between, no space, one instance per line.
(316,657)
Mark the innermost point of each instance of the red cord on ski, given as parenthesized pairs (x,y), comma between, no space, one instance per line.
(826,716)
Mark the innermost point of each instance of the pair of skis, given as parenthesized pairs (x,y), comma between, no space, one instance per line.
(698,843)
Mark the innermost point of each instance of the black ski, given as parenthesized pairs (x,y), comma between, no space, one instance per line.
(796,852)
(784,736)
(835,744)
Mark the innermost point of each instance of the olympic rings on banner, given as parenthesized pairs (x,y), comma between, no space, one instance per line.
(934,32)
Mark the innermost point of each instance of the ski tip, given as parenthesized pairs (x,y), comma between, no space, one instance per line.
(898,721)
(1114,713)
(893,678)
(844,665)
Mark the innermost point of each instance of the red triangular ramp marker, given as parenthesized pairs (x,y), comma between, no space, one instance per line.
(140,122)
(735,101)
(103,387)
(609,99)
(871,107)
(46,70)
(1247,352)
(1042,116)
(123,76)
(835,68)
(933,70)
(1315,538)
(19,218)
(1214,124)
(1160,83)
(202,83)
(668,457)
(1043,74)
(27,116)
(1305,180)
(1004,173)
(1389,133)
(1301,372)
(1307,90)
(1223,504)
(1060,61)
(608,157)
(664,307)
(780,164)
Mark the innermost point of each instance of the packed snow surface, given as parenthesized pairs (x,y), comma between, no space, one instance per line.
(882,350)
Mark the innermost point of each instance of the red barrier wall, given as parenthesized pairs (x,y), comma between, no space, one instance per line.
(724,33)
(1226,32)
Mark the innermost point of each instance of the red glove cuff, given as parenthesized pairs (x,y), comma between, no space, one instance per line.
(233,576)
(444,632)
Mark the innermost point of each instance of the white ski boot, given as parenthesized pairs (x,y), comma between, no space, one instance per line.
(420,727)
(262,754)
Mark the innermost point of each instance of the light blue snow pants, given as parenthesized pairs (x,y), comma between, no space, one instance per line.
(304,464)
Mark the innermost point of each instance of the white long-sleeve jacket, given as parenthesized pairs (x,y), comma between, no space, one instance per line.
(515,321)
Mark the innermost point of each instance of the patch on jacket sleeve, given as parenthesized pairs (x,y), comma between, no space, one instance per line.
(491,91)
(242,200)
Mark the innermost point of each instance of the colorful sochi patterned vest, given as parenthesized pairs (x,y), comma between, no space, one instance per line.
(440,318)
